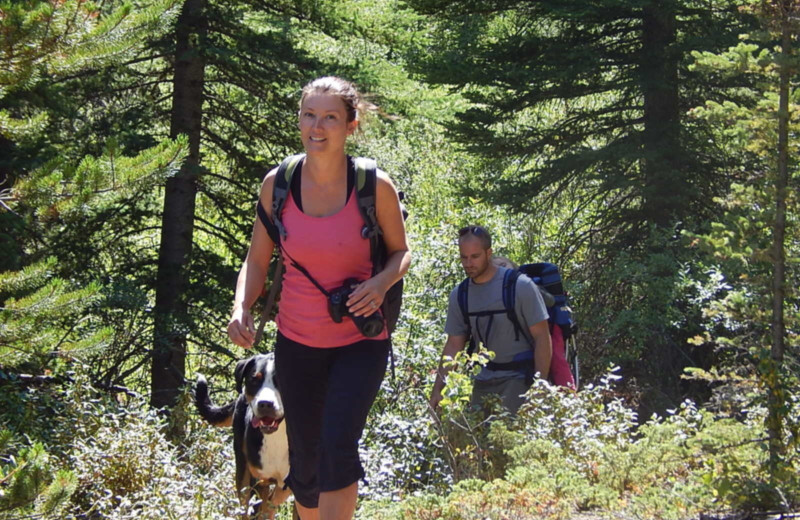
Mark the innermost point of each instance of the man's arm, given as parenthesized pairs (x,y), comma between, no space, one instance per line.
(452,346)
(542,348)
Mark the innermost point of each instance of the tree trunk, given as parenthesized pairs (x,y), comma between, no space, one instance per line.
(665,194)
(665,190)
(174,257)
(776,396)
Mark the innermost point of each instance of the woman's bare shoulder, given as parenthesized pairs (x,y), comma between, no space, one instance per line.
(385,184)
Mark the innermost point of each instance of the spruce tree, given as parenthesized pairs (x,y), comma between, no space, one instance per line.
(236,72)
(234,64)
(53,197)
(48,314)
(750,241)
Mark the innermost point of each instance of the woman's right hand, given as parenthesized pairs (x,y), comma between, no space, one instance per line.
(241,328)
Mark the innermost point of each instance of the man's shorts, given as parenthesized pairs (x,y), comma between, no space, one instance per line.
(510,389)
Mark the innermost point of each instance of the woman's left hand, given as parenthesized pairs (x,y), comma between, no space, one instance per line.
(367,297)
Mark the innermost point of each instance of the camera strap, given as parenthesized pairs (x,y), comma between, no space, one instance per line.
(305,272)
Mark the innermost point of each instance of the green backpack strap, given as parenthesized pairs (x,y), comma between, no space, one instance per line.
(280,190)
(366,188)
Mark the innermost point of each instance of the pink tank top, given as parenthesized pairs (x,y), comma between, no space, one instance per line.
(331,249)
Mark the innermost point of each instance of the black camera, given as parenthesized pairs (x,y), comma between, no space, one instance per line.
(370,326)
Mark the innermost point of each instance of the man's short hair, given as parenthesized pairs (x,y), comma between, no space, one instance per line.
(478,232)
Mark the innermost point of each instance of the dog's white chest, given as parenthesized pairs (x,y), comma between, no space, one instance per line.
(274,456)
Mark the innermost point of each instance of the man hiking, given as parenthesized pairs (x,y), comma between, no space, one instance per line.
(520,342)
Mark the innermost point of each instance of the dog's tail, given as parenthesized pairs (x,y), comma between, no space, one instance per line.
(216,415)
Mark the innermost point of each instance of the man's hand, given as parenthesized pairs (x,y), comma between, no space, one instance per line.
(241,328)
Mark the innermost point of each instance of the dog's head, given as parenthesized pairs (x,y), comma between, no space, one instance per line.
(255,377)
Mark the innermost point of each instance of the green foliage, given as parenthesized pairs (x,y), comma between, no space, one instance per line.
(577,121)
(567,452)
(43,40)
(63,195)
(43,318)
(49,311)
(555,123)
(127,468)
(739,246)
(28,484)
(120,464)
(66,192)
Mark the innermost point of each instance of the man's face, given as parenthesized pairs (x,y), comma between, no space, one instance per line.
(474,258)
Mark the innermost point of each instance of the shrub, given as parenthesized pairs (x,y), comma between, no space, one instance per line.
(571,451)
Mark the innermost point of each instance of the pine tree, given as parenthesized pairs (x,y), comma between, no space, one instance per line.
(231,71)
(576,91)
(237,69)
(47,320)
(45,42)
(751,240)
(29,485)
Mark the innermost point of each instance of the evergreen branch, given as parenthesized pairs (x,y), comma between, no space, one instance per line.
(215,231)
(240,186)
(255,89)
(135,86)
(269,7)
(7,208)
(238,117)
(241,127)
(123,234)
(215,142)
(89,72)
(19,468)
(209,346)
(160,100)
(137,366)
(221,207)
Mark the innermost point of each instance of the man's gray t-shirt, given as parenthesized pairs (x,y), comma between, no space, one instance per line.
(502,340)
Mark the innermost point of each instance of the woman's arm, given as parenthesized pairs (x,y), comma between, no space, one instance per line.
(253,274)
(390,220)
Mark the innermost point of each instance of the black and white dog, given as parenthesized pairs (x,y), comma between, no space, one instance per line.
(259,433)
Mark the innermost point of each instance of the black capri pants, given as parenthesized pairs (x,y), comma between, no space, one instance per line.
(327,394)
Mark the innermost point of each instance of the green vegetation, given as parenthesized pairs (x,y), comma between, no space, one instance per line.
(648,148)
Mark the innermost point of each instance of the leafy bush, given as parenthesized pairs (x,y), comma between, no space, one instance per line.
(567,452)
(127,468)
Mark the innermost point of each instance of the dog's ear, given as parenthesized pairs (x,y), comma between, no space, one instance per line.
(241,370)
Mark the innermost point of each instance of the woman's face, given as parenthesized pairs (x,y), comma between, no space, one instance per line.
(323,123)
